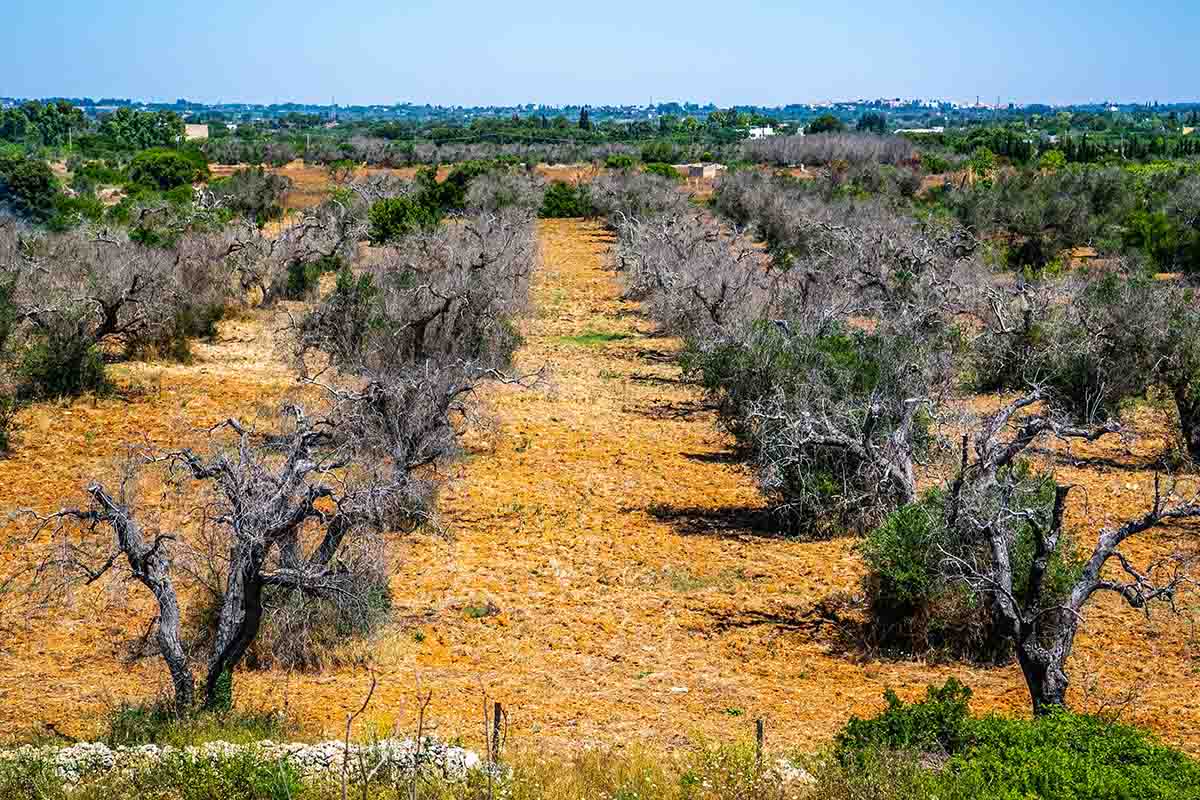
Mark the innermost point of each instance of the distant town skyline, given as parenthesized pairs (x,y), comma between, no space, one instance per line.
(623,53)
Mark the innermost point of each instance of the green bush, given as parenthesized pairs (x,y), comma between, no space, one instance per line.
(663,170)
(915,610)
(938,724)
(72,211)
(191,322)
(303,276)
(451,194)
(163,169)
(396,217)
(619,161)
(1061,756)
(28,186)
(565,200)
(91,174)
(934,164)
(61,363)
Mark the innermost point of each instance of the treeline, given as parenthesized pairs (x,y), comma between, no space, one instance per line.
(59,124)
(1023,146)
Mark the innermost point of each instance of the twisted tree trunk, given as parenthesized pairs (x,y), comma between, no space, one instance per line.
(152,568)
(238,623)
(1187,401)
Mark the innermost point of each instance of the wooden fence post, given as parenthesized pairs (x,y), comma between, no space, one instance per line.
(497,714)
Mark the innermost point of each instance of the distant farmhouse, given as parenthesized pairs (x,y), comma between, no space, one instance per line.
(761,133)
(192,132)
(705,170)
(938,129)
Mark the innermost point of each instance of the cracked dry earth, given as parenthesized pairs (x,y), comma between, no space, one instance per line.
(633,593)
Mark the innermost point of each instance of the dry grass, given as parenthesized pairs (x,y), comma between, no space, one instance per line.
(604,520)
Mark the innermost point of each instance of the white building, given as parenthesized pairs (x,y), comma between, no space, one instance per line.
(761,133)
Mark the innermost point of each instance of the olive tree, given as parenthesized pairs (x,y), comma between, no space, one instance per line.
(294,509)
(78,294)
(828,367)
(1039,594)
(1094,342)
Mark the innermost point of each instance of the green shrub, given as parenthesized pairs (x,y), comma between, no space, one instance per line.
(937,724)
(934,164)
(1060,756)
(72,211)
(190,322)
(61,363)
(304,276)
(163,169)
(28,186)
(91,174)
(663,170)
(396,217)
(901,553)
(565,200)
(619,161)
(914,609)
(451,194)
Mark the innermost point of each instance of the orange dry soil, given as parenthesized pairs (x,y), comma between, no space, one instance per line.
(639,598)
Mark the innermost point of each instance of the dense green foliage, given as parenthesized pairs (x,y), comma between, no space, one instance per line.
(27,186)
(1061,756)
(61,364)
(663,171)
(916,609)
(826,123)
(50,124)
(563,199)
(165,169)
(395,217)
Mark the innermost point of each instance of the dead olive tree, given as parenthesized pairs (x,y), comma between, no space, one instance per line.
(82,296)
(828,366)
(1039,594)
(1093,342)
(292,508)
(823,148)
(447,296)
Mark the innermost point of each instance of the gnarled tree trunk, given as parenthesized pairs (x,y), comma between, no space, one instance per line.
(1187,401)
(152,568)
(238,623)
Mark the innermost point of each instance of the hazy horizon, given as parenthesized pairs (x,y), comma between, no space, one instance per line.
(760,53)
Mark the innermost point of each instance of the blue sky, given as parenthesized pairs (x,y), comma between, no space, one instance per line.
(617,51)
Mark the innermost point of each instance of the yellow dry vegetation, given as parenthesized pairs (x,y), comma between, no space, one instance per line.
(633,592)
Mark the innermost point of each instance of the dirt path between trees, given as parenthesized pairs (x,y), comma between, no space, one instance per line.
(607,574)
